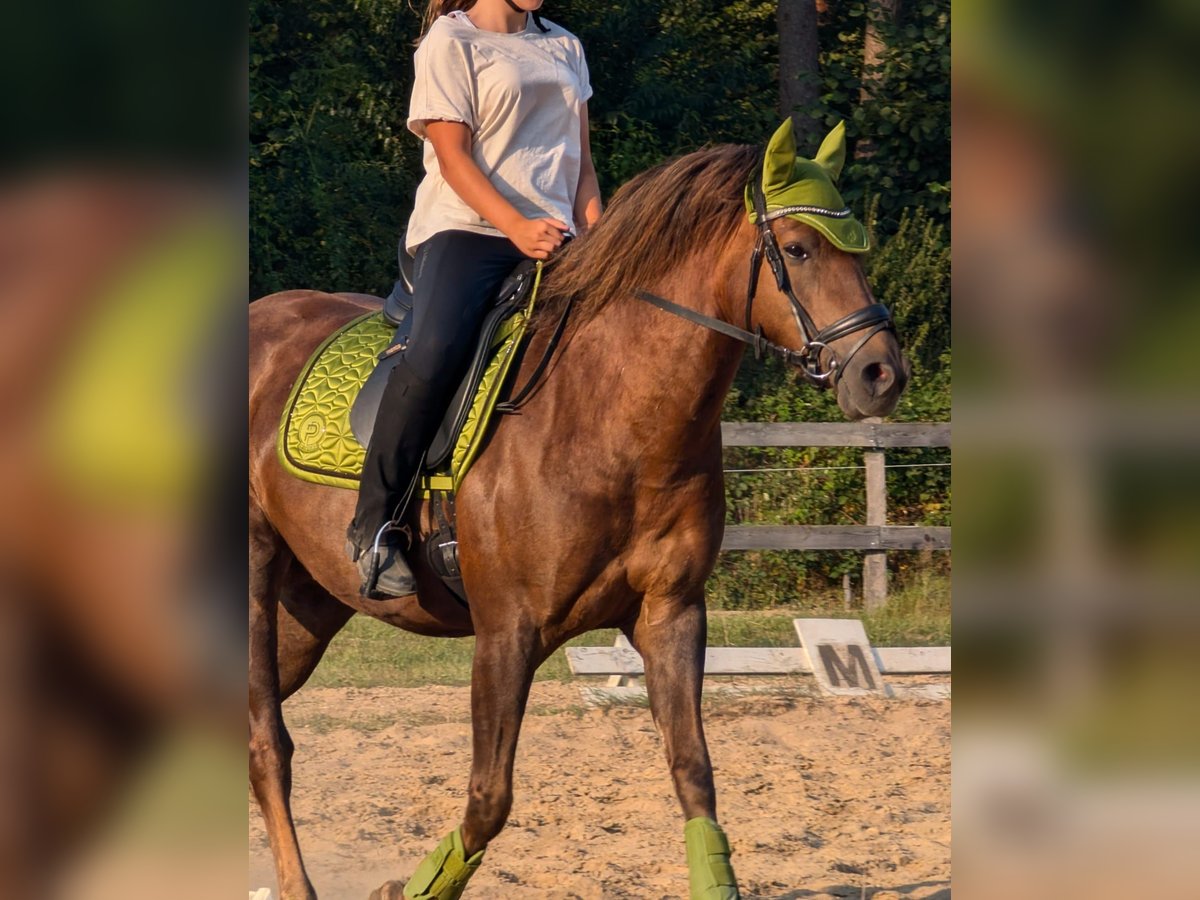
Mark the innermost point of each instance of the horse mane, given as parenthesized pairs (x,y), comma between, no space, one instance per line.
(654,223)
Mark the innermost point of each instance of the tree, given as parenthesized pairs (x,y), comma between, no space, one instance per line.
(879,13)
(799,67)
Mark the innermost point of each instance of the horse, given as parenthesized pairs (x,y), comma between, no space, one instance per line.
(600,503)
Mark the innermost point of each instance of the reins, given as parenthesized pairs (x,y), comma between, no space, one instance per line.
(873,318)
(511,406)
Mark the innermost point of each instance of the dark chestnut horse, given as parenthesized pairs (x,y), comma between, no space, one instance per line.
(601,504)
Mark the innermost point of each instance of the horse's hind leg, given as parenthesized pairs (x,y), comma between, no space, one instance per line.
(500,678)
(308,618)
(291,623)
(670,635)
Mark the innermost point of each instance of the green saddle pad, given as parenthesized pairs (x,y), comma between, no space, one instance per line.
(315,440)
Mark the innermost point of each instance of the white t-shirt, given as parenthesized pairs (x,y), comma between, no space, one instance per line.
(522,96)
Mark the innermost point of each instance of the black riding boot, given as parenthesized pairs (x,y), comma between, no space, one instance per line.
(409,413)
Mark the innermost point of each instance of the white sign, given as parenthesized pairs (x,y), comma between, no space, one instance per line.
(841,657)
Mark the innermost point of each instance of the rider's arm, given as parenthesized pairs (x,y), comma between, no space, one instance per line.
(587,195)
(452,144)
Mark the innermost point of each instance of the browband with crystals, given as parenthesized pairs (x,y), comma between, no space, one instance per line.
(809,210)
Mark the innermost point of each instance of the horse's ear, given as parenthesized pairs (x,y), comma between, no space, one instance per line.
(780,159)
(832,155)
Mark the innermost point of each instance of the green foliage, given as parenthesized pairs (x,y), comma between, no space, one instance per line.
(897,112)
(332,168)
(910,272)
(670,76)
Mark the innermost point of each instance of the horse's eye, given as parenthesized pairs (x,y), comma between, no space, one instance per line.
(795,251)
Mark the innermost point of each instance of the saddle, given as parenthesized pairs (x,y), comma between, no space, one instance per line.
(331,412)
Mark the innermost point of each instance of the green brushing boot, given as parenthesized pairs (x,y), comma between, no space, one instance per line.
(709,873)
(444,873)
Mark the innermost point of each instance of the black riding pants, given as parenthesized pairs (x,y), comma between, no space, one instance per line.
(456,275)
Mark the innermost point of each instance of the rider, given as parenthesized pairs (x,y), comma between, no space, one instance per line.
(500,102)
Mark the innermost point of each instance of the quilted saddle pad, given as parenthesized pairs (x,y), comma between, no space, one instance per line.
(315,439)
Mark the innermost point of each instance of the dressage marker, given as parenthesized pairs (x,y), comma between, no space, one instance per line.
(846,664)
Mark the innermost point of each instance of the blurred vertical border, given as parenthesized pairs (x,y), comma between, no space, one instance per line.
(122,374)
(122,351)
(1077,437)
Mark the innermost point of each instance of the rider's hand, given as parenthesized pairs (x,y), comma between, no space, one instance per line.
(538,238)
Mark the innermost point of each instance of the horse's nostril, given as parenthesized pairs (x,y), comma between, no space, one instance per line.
(878,376)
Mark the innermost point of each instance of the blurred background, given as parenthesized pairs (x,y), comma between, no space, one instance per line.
(1077,431)
(122,361)
(123,261)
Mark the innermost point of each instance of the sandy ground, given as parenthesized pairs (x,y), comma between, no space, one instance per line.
(821,797)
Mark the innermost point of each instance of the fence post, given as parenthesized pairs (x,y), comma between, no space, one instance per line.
(875,561)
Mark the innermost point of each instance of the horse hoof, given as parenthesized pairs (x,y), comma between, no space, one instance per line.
(392,890)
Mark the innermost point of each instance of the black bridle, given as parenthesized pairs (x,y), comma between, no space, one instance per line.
(815,359)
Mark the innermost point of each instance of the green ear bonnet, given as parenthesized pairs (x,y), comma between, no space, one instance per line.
(803,189)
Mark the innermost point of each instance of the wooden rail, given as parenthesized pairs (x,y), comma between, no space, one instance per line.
(836,537)
(875,537)
(627,662)
(867,433)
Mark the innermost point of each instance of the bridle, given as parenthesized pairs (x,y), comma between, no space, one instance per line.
(816,360)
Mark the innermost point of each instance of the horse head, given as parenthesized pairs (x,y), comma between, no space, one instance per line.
(808,299)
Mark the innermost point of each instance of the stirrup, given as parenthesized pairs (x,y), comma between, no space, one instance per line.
(397,577)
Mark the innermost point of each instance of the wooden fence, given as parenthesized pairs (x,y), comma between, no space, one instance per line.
(876,537)
(836,651)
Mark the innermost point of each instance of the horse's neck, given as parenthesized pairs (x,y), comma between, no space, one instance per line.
(653,375)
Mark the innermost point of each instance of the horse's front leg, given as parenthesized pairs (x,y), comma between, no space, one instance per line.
(500,678)
(670,634)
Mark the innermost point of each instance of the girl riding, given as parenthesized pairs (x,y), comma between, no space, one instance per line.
(500,103)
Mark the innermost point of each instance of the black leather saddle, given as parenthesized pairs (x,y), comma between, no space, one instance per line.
(397,309)
(398,304)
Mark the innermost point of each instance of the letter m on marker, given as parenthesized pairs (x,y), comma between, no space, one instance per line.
(841,670)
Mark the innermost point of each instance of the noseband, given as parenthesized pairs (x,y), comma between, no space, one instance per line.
(816,359)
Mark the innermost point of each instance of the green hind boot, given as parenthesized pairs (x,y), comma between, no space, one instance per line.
(709,873)
(444,873)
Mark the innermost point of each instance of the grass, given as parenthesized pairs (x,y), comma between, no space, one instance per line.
(369,653)
(916,616)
